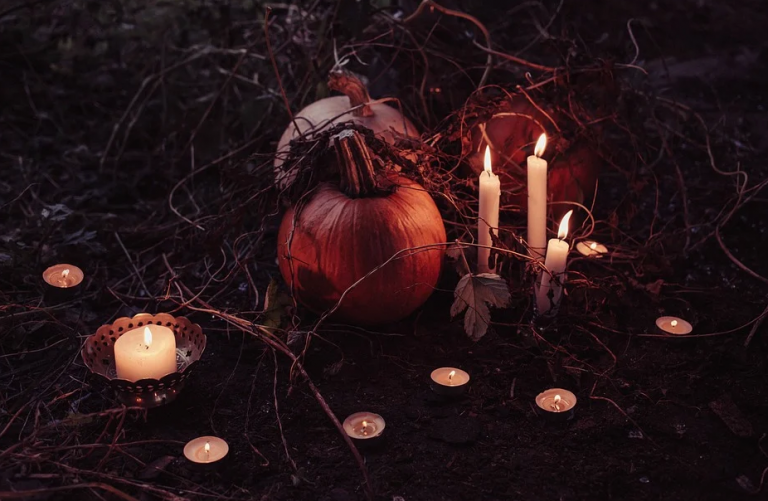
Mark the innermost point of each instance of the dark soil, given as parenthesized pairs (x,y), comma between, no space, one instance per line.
(122,130)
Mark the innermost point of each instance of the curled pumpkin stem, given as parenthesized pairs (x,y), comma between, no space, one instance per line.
(351,86)
(358,178)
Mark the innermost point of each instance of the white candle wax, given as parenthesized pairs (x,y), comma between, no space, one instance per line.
(364,425)
(63,276)
(145,353)
(490,193)
(449,381)
(556,400)
(674,325)
(537,200)
(206,449)
(590,248)
(555,263)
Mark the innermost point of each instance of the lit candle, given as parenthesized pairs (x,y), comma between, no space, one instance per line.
(145,353)
(449,381)
(490,193)
(537,200)
(63,276)
(204,450)
(556,402)
(674,325)
(590,248)
(364,426)
(555,263)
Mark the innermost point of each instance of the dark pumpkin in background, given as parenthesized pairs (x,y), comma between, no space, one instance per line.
(344,233)
(513,130)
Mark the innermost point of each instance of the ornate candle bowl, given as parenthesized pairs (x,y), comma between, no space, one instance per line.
(99,356)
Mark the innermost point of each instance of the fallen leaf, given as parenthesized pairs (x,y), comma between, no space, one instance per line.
(153,469)
(275,304)
(475,293)
(655,287)
(456,253)
(725,408)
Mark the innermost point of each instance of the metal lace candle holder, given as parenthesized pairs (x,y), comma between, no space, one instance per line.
(99,356)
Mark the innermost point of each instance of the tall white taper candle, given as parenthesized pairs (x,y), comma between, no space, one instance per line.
(490,193)
(537,200)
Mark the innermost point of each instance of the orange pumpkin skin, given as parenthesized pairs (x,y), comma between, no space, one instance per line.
(336,240)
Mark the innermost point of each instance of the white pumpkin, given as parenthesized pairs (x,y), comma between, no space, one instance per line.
(385,121)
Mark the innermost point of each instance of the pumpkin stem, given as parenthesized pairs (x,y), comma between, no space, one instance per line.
(350,85)
(358,178)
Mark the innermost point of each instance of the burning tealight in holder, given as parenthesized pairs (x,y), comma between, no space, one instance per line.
(556,404)
(674,326)
(590,248)
(364,428)
(151,366)
(63,281)
(449,381)
(206,450)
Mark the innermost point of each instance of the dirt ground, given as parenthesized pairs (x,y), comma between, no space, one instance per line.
(136,141)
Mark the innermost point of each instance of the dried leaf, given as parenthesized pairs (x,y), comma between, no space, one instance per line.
(334,368)
(456,253)
(725,408)
(475,293)
(154,468)
(56,212)
(275,304)
(295,338)
(655,287)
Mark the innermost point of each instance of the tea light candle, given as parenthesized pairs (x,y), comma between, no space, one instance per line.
(203,450)
(490,194)
(449,381)
(555,263)
(556,401)
(590,248)
(364,426)
(145,353)
(537,200)
(674,325)
(63,276)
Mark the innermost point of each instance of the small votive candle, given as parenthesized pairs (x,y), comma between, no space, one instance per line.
(364,426)
(449,381)
(204,450)
(63,276)
(556,403)
(673,325)
(590,248)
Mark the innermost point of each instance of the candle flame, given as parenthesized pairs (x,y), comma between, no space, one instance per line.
(65,273)
(541,144)
(556,402)
(365,427)
(207,447)
(593,245)
(488,167)
(451,374)
(562,232)
(147,337)
(673,323)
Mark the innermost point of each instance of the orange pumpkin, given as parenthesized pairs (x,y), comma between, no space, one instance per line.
(344,236)
(385,121)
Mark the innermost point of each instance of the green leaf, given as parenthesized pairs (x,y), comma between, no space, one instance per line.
(475,294)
